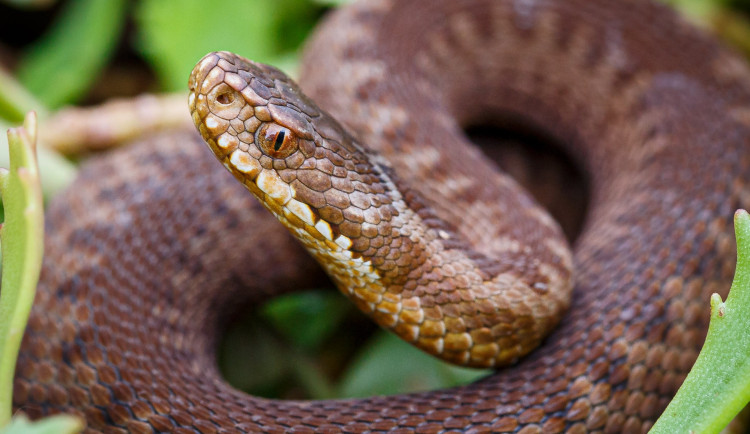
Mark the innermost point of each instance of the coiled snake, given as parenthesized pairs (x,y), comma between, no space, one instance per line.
(152,242)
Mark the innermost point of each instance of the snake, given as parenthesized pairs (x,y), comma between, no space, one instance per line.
(367,164)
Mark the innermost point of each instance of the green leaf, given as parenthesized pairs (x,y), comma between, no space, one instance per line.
(699,11)
(16,101)
(247,349)
(63,64)
(307,318)
(59,424)
(173,39)
(333,3)
(22,237)
(55,171)
(388,365)
(252,358)
(718,385)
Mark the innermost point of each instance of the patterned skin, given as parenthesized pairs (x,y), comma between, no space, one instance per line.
(150,244)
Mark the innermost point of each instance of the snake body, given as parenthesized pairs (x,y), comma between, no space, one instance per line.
(154,242)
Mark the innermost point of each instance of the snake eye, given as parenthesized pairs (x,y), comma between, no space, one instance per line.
(276,141)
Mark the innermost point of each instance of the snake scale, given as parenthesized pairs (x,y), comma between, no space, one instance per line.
(153,244)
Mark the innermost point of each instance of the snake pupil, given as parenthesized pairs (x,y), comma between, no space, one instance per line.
(279,141)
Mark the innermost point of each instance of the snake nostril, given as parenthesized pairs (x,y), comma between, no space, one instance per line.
(225,98)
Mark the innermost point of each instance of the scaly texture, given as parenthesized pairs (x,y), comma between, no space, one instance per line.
(151,242)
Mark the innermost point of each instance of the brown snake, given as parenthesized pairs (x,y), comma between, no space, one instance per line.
(153,244)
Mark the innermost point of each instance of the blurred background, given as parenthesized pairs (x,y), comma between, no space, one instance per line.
(313,344)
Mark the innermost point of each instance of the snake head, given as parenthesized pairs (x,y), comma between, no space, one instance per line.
(236,102)
(296,159)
